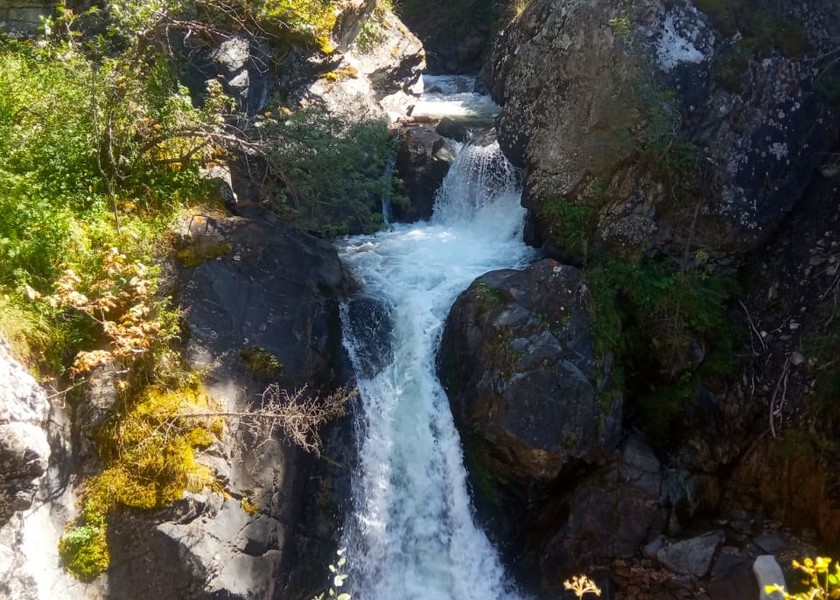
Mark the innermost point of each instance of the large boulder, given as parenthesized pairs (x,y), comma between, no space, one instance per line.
(678,133)
(610,514)
(518,362)
(423,160)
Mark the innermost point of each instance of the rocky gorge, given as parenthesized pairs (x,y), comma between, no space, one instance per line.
(649,401)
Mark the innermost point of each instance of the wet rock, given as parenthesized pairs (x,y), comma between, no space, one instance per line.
(610,515)
(452,130)
(692,557)
(518,362)
(423,160)
(24,448)
(370,322)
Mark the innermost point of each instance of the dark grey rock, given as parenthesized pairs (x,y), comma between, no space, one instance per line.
(517,360)
(452,130)
(561,71)
(692,557)
(423,161)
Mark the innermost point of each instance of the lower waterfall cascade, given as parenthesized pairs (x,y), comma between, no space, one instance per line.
(412,534)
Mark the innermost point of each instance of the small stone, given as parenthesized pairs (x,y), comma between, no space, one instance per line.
(796,359)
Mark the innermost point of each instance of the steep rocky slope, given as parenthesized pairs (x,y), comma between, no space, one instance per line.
(681,130)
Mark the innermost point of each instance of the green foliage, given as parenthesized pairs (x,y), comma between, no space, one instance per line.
(652,317)
(672,158)
(822,582)
(764,29)
(84,550)
(374,31)
(334,171)
(338,578)
(569,225)
(89,160)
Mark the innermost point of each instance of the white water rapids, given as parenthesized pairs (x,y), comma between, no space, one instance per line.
(412,535)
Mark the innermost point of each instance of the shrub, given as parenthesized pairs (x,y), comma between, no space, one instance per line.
(657,320)
(821,582)
(334,172)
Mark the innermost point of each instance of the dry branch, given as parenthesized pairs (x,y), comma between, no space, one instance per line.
(299,415)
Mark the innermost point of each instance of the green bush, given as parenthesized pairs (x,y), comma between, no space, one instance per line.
(652,317)
(333,172)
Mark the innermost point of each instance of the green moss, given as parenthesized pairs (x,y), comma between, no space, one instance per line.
(84,550)
(486,298)
(197,254)
(262,363)
(149,453)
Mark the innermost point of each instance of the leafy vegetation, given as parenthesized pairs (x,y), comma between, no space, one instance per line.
(333,171)
(338,577)
(101,150)
(667,327)
(821,582)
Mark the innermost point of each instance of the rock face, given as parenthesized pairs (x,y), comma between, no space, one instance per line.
(457,34)
(628,106)
(610,515)
(376,74)
(23,17)
(423,160)
(517,361)
(251,286)
(24,449)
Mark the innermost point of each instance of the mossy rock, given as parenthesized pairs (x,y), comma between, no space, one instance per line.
(149,452)
(261,362)
(197,254)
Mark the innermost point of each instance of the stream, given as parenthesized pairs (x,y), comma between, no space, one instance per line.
(412,533)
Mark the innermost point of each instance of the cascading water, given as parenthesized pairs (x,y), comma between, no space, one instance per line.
(412,535)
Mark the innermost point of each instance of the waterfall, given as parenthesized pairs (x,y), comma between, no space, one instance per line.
(412,535)
(387,176)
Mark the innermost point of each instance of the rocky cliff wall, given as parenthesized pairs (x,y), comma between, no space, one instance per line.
(680,129)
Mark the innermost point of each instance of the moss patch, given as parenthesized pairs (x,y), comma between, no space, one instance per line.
(569,225)
(261,362)
(197,254)
(149,453)
(84,550)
